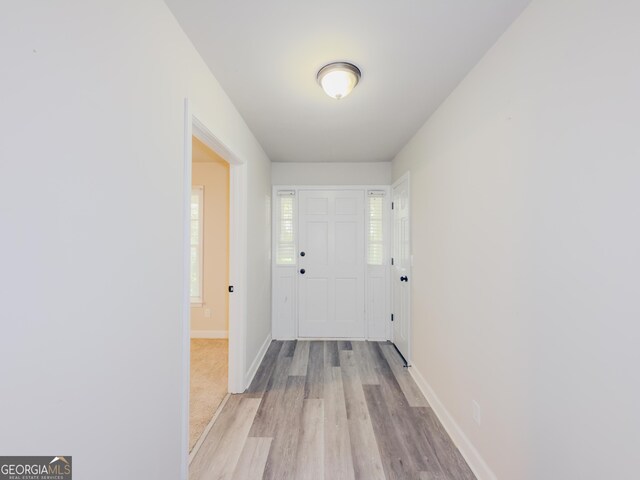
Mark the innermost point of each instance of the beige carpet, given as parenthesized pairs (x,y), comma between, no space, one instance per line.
(209,369)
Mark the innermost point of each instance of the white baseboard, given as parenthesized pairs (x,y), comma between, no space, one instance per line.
(468,451)
(209,334)
(256,362)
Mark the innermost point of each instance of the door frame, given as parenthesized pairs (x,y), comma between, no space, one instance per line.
(292,332)
(405,177)
(193,126)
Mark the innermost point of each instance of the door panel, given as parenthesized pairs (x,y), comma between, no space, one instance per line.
(346,206)
(317,234)
(346,289)
(317,294)
(316,206)
(331,289)
(346,248)
(401,270)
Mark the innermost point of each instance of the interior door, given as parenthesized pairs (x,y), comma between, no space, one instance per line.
(331,270)
(401,269)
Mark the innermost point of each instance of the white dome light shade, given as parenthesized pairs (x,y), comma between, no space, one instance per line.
(338,79)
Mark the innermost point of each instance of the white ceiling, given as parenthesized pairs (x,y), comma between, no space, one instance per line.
(412,54)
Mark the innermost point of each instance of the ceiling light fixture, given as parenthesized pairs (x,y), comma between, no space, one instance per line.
(338,79)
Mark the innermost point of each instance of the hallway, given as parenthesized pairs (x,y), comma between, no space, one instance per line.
(329,409)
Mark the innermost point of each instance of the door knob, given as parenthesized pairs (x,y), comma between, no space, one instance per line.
(404,278)
(302,270)
(302,254)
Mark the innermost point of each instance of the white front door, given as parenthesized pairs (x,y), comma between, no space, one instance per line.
(401,269)
(331,270)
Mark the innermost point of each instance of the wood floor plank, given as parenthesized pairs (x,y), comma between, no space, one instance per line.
(265,370)
(330,423)
(408,386)
(310,457)
(265,423)
(338,461)
(288,348)
(364,447)
(394,457)
(300,359)
(432,476)
(366,366)
(420,453)
(344,345)
(313,387)
(222,460)
(212,440)
(281,462)
(331,353)
(452,462)
(252,459)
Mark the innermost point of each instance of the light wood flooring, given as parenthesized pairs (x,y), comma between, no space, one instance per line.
(329,410)
(208,383)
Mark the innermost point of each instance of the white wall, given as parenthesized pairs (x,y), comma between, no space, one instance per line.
(91,193)
(526,234)
(310,173)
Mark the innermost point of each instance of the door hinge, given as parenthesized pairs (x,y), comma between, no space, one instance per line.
(230,288)
(391,205)
(392,317)
(391,260)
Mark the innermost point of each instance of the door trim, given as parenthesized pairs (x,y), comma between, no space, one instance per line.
(290,332)
(193,126)
(405,177)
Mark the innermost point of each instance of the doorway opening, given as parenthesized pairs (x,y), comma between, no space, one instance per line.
(209,281)
(197,133)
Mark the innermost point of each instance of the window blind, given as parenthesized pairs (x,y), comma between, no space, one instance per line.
(375,230)
(285,235)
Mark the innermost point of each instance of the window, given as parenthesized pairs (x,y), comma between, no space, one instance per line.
(375,228)
(197,204)
(285,238)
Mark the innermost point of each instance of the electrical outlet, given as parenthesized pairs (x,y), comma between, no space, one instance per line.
(207,313)
(476,411)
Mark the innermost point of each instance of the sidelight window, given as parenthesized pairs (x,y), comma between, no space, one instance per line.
(375,228)
(285,234)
